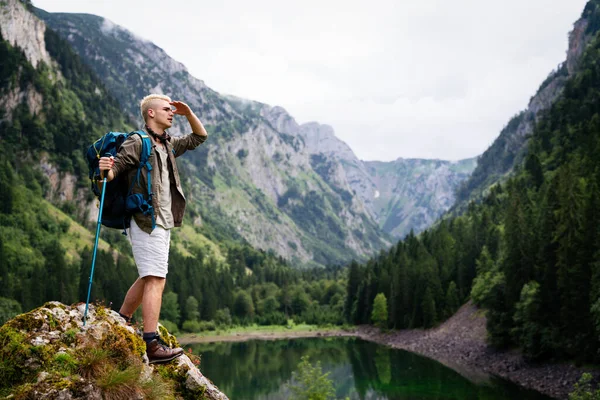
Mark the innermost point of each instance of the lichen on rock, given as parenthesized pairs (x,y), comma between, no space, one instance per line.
(48,353)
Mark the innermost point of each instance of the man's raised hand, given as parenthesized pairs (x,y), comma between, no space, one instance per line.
(181,108)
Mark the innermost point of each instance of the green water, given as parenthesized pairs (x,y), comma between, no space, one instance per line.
(260,370)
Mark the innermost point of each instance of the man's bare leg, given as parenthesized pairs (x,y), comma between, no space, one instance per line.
(151,302)
(156,352)
(133,298)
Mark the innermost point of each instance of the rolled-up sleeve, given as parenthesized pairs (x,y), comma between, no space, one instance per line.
(185,143)
(128,156)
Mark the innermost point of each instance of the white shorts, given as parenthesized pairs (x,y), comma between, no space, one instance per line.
(150,251)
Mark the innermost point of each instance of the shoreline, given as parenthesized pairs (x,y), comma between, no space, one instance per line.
(459,343)
(243,337)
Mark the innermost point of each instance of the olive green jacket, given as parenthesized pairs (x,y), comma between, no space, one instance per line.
(128,160)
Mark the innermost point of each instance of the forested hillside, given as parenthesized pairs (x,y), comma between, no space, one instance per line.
(529,252)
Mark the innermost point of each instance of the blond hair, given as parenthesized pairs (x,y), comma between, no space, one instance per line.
(146,103)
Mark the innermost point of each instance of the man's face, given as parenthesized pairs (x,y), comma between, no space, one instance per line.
(161,113)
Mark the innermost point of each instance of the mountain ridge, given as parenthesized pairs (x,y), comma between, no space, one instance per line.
(508,149)
(229,120)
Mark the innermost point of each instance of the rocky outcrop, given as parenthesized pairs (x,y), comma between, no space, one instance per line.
(22,29)
(511,145)
(48,353)
(578,40)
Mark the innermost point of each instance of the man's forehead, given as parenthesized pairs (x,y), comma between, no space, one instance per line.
(160,103)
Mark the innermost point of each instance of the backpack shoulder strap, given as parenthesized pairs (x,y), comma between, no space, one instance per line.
(146,147)
(145,162)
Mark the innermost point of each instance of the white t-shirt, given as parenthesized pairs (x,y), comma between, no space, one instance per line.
(164,215)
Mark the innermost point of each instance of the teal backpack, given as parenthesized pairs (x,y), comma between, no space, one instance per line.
(119,201)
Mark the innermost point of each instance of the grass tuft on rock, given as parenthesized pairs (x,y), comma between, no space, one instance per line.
(120,384)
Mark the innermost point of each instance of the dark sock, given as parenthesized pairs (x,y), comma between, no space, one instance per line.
(150,336)
(126,318)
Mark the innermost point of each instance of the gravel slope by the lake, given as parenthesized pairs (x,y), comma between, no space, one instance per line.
(460,343)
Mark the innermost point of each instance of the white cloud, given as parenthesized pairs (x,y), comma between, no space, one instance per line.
(433,78)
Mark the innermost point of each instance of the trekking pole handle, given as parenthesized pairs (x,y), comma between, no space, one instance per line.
(104,173)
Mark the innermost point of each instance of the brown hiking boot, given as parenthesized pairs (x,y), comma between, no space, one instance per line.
(159,353)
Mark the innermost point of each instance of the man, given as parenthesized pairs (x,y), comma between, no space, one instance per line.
(151,246)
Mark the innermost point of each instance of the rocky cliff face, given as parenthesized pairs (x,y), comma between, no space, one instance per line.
(401,195)
(252,177)
(411,194)
(22,29)
(48,353)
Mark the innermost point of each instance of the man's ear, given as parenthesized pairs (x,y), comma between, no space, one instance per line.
(150,113)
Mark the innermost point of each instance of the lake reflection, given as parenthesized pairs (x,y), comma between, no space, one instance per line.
(260,370)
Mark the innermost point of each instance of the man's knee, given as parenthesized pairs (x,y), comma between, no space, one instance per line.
(154,281)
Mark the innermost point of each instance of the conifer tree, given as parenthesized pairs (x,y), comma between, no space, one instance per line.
(429,309)
(354,279)
(192,308)
(572,280)
(452,302)
(4,280)
(379,316)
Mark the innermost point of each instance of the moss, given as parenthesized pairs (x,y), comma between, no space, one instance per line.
(14,350)
(101,312)
(69,337)
(53,323)
(35,319)
(44,354)
(172,372)
(60,383)
(65,364)
(178,375)
(54,304)
(52,384)
(26,322)
(56,381)
(122,344)
(23,392)
(138,346)
(171,340)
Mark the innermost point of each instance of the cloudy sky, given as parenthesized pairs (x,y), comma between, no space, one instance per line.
(395,78)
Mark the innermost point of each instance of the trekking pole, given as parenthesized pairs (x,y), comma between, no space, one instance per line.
(87,302)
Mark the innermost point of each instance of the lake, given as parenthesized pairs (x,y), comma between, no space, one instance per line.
(262,369)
